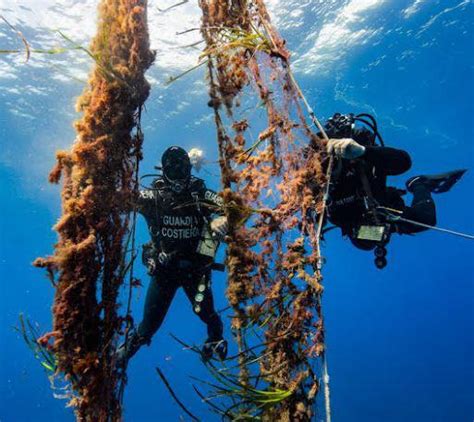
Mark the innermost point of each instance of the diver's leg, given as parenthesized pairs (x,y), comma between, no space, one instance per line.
(159,296)
(422,210)
(200,295)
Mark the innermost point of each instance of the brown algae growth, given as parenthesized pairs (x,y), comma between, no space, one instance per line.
(98,179)
(273,191)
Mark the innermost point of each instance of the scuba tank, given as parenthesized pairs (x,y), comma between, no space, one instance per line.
(343,126)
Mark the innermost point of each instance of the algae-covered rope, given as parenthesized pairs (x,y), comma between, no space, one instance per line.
(325,377)
(327,390)
(325,370)
(315,120)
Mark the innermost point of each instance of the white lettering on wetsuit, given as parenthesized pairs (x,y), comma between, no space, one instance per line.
(344,201)
(191,233)
(213,197)
(176,220)
(180,227)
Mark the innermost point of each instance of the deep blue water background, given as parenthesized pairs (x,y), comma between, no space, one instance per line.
(400,341)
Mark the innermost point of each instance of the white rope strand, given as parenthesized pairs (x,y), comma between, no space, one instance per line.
(325,374)
(390,211)
(325,370)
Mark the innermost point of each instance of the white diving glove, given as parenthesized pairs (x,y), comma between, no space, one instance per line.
(345,148)
(151,265)
(220,226)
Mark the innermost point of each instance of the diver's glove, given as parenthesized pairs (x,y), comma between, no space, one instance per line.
(164,258)
(151,266)
(345,148)
(220,226)
(129,347)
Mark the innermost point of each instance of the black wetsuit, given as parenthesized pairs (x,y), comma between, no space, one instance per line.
(176,222)
(350,197)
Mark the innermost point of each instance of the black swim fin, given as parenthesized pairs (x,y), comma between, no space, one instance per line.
(218,347)
(436,183)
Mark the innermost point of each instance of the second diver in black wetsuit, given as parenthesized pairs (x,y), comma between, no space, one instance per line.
(360,203)
(179,210)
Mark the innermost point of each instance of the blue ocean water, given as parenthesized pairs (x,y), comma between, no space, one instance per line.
(400,341)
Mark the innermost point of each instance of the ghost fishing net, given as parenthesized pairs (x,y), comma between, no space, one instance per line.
(90,260)
(273,193)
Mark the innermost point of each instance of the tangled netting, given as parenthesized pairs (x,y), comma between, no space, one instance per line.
(273,193)
(99,177)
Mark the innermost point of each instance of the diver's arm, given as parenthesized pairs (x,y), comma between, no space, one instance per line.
(144,201)
(386,160)
(131,202)
(212,201)
(390,161)
(215,205)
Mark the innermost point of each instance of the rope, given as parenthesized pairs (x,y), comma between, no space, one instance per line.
(314,119)
(319,232)
(139,134)
(327,390)
(428,226)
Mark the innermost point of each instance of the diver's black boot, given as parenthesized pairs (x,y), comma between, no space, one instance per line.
(221,349)
(436,183)
(211,347)
(128,348)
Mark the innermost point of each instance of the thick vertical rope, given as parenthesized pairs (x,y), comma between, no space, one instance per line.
(131,279)
(256,57)
(322,215)
(99,174)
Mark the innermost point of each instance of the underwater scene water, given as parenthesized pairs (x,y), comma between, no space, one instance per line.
(400,341)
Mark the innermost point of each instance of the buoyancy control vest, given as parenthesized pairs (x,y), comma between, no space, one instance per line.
(177,221)
(359,187)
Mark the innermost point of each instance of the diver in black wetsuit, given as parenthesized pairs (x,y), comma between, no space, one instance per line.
(360,203)
(178,209)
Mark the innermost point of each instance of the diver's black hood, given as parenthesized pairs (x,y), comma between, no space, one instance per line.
(175,164)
